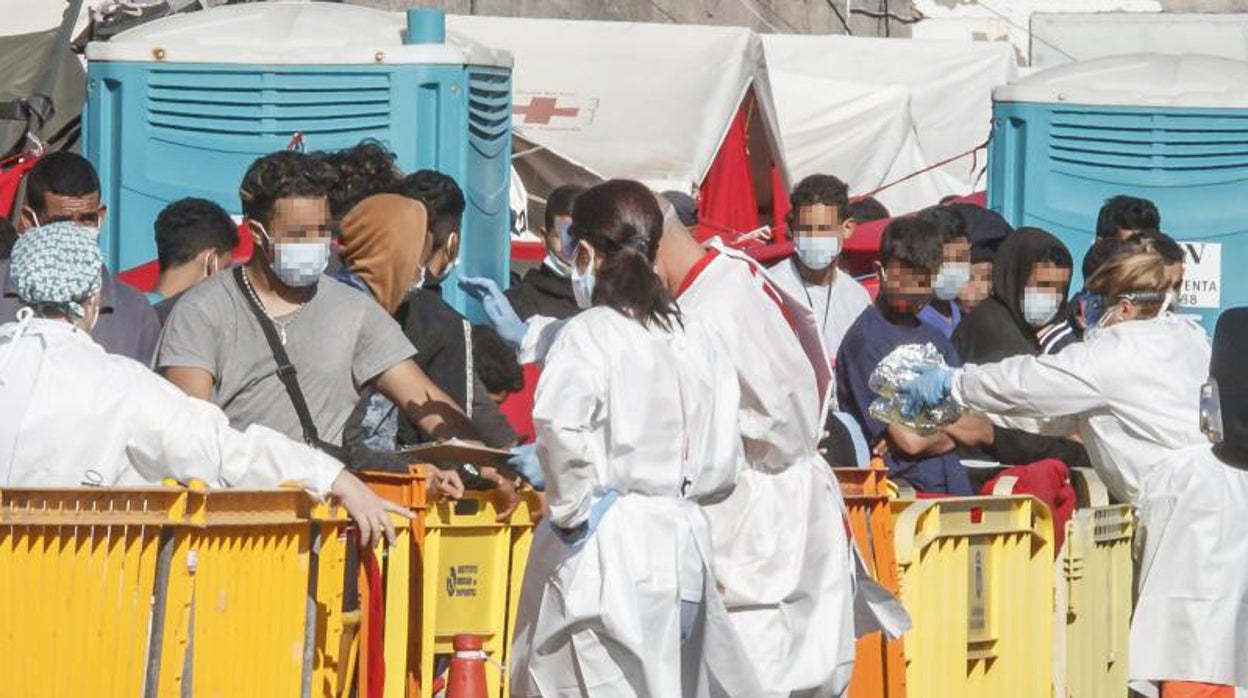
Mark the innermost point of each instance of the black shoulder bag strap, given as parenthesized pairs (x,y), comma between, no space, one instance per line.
(287,374)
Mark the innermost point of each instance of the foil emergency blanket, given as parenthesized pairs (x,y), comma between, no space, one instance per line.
(897,369)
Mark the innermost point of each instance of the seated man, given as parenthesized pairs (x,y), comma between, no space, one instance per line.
(943,313)
(195,239)
(496,364)
(63,186)
(910,254)
(227,337)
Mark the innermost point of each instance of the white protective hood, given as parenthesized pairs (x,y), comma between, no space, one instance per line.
(875,110)
(650,102)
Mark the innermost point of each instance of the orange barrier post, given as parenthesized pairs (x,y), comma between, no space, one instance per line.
(879,665)
(467,669)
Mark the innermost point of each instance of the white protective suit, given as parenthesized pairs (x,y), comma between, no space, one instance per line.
(1133,394)
(782,553)
(71,414)
(649,415)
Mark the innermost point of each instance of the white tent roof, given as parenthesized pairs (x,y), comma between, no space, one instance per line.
(1144,79)
(286,33)
(949,86)
(859,133)
(650,102)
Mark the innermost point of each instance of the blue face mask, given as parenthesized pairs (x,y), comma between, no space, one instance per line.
(1093,305)
(817,252)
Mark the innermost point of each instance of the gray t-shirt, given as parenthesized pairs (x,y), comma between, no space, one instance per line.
(338,342)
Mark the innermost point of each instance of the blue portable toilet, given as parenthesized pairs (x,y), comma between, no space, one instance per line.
(1170,128)
(181,106)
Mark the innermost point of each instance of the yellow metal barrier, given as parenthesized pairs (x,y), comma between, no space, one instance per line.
(977,578)
(169,591)
(1098,575)
(77,573)
(460,572)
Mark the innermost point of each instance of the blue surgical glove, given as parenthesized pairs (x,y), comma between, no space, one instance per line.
(930,388)
(524,460)
(498,309)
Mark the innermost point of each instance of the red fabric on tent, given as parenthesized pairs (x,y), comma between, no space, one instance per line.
(527,251)
(11,173)
(728,205)
(779,206)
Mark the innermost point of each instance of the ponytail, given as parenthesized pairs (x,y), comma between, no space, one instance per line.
(627,283)
(622,221)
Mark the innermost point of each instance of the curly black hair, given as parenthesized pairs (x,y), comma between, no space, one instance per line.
(283,175)
(364,169)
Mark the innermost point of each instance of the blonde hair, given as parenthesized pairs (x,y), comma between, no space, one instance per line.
(1137,274)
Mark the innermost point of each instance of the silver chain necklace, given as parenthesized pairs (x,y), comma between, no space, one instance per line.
(281,325)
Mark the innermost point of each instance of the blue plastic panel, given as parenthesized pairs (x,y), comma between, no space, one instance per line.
(1053,165)
(159,132)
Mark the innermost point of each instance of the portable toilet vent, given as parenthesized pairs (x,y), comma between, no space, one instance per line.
(1173,129)
(182,106)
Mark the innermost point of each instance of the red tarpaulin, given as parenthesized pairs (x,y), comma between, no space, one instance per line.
(728,205)
(11,173)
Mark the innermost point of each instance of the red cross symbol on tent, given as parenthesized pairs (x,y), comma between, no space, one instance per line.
(540,110)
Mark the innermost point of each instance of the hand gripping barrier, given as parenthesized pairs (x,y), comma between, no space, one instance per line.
(457,571)
(879,664)
(977,579)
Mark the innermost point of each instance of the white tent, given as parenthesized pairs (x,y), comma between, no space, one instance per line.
(650,102)
(855,106)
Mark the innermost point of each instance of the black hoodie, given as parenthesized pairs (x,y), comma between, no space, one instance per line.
(996,330)
(543,292)
(1230,346)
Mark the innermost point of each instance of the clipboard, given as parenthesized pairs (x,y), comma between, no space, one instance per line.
(454,453)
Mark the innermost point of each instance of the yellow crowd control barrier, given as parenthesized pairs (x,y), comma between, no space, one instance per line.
(879,664)
(460,571)
(77,573)
(1098,579)
(977,579)
(169,591)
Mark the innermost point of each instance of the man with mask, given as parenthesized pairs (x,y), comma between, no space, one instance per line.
(443,337)
(227,337)
(63,186)
(72,415)
(195,239)
(820,224)
(547,290)
(943,313)
(910,256)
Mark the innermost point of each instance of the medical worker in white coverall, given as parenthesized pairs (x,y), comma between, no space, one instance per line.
(1132,390)
(71,414)
(782,554)
(635,417)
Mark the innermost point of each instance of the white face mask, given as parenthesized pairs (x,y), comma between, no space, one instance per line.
(1040,306)
(419,283)
(583,283)
(561,268)
(950,280)
(298,264)
(818,252)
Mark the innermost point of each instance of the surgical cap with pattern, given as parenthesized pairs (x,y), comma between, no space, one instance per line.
(57,267)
